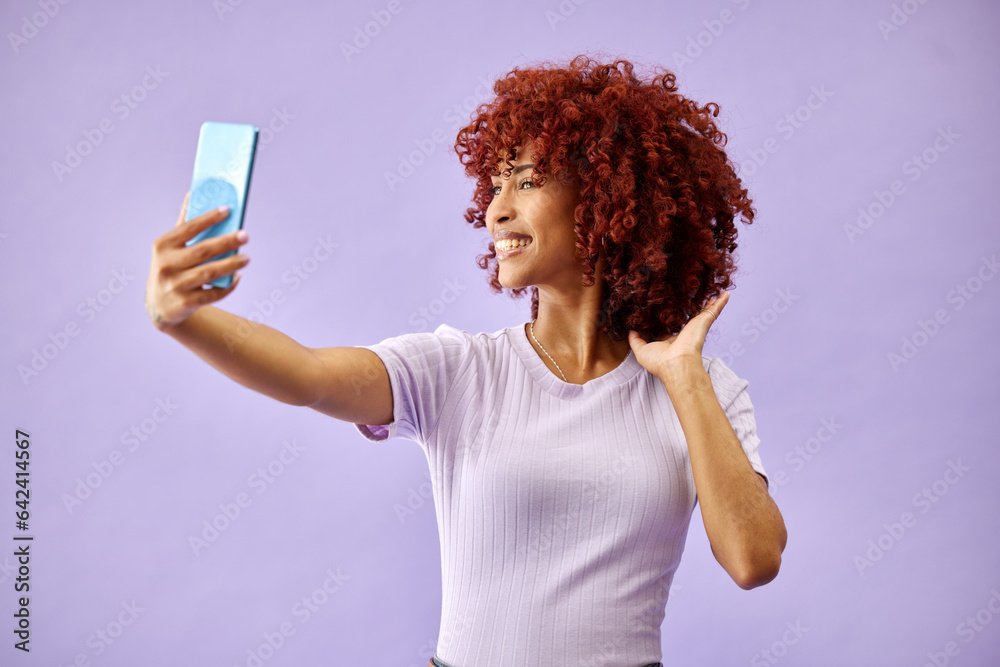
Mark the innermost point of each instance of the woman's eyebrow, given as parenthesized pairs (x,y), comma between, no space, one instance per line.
(518,169)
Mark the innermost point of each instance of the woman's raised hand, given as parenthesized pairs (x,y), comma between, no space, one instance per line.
(662,356)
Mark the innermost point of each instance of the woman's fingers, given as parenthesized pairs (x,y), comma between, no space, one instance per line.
(184,231)
(175,256)
(178,271)
(717,304)
(203,296)
(184,207)
(193,278)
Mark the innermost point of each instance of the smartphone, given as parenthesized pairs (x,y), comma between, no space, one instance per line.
(223,165)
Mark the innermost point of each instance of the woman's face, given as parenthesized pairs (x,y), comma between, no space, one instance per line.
(541,217)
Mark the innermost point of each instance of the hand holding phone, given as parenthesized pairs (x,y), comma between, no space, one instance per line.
(178,271)
(223,166)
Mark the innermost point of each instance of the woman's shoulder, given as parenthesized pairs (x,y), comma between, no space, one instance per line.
(453,345)
(481,340)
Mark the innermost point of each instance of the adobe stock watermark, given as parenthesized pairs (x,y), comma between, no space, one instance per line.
(756,326)
(416,499)
(31,25)
(230,511)
(303,610)
(563,11)
(122,106)
(699,43)
(455,116)
(807,451)
(364,35)
(779,647)
(650,613)
(915,167)
(420,319)
(786,126)
(135,437)
(968,629)
(926,330)
(432,311)
(88,309)
(295,276)
(223,7)
(105,636)
(590,494)
(275,125)
(7,569)
(924,500)
(362,380)
(898,17)
(446,637)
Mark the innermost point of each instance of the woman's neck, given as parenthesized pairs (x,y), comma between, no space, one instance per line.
(569,329)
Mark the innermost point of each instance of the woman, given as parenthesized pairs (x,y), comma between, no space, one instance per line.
(567,453)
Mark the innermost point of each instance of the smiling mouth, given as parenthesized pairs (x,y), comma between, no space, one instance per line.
(508,247)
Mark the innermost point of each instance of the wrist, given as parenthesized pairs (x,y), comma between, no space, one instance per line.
(683,373)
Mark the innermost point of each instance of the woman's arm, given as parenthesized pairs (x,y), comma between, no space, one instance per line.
(348,383)
(744,526)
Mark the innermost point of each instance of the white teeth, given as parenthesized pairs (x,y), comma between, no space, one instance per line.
(506,245)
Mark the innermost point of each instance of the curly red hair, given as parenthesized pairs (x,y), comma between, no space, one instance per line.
(658,194)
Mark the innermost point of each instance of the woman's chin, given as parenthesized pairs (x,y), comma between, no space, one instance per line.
(510,282)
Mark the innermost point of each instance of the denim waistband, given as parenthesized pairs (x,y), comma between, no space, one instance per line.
(438,663)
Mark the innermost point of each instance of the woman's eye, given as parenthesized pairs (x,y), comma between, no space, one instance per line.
(495,190)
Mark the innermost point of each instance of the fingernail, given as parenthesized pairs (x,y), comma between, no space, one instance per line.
(242,235)
(222,209)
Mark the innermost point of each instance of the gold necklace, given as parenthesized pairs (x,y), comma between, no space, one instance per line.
(546,353)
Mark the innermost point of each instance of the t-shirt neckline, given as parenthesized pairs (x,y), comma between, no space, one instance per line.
(553,384)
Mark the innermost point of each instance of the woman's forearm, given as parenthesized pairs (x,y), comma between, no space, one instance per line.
(255,355)
(743,524)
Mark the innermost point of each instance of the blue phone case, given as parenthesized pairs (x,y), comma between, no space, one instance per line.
(223,164)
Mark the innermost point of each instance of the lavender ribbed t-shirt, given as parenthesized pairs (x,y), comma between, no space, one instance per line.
(562,509)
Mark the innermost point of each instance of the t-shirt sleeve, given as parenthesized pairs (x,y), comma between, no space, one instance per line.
(422,368)
(731,390)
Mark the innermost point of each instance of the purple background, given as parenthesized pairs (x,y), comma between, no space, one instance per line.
(339,125)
